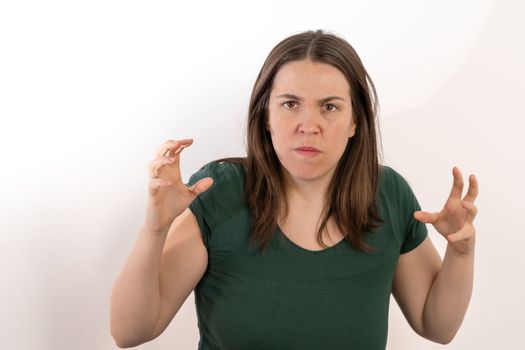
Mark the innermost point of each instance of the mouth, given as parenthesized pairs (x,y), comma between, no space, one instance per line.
(307,151)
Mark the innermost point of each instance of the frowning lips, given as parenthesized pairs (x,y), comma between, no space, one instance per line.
(308,151)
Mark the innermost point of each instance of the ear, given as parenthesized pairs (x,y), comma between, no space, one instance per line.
(267,125)
(353,127)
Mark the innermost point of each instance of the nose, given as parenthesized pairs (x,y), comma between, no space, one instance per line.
(309,124)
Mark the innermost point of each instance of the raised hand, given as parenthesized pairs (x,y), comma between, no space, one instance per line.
(168,195)
(455,220)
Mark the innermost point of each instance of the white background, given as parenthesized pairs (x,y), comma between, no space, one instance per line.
(90,90)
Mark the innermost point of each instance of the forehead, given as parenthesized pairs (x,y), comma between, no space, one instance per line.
(310,79)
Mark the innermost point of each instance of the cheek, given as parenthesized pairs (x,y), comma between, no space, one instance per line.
(339,137)
(278,135)
(342,130)
(276,125)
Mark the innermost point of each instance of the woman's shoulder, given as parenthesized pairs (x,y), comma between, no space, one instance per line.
(387,171)
(222,171)
(391,180)
(223,199)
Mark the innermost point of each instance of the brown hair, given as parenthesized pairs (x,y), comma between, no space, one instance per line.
(353,189)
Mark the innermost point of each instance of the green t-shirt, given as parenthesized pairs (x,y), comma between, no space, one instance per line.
(289,297)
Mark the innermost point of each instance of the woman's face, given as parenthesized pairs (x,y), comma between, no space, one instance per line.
(310,119)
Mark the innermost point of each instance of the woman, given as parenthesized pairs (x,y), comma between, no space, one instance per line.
(300,244)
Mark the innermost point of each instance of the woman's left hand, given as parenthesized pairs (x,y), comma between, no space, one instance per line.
(455,220)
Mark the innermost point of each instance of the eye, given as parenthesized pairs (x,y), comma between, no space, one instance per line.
(287,104)
(331,107)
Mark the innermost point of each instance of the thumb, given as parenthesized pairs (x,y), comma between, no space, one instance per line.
(425,216)
(202,185)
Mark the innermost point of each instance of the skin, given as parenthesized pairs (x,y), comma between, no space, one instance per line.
(326,125)
(432,293)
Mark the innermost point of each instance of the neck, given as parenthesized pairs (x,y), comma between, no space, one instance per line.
(307,193)
(305,199)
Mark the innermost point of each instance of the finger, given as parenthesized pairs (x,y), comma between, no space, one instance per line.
(457,185)
(472,192)
(201,186)
(156,164)
(176,147)
(170,146)
(426,217)
(180,149)
(472,210)
(155,184)
(466,232)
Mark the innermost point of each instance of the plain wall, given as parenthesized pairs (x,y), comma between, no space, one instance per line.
(89,91)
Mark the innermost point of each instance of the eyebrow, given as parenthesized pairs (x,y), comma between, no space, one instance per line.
(326,99)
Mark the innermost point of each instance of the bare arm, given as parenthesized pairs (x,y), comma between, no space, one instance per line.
(135,297)
(434,296)
(183,263)
(168,257)
(152,286)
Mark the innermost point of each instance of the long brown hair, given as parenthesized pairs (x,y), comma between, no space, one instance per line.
(353,188)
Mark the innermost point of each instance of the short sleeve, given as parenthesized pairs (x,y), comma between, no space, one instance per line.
(203,207)
(415,231)
(402,203)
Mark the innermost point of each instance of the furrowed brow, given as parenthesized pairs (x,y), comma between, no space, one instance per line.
(330,98)
(290,96)
(326,99)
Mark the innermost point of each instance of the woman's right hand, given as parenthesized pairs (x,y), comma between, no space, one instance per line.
(168,195)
